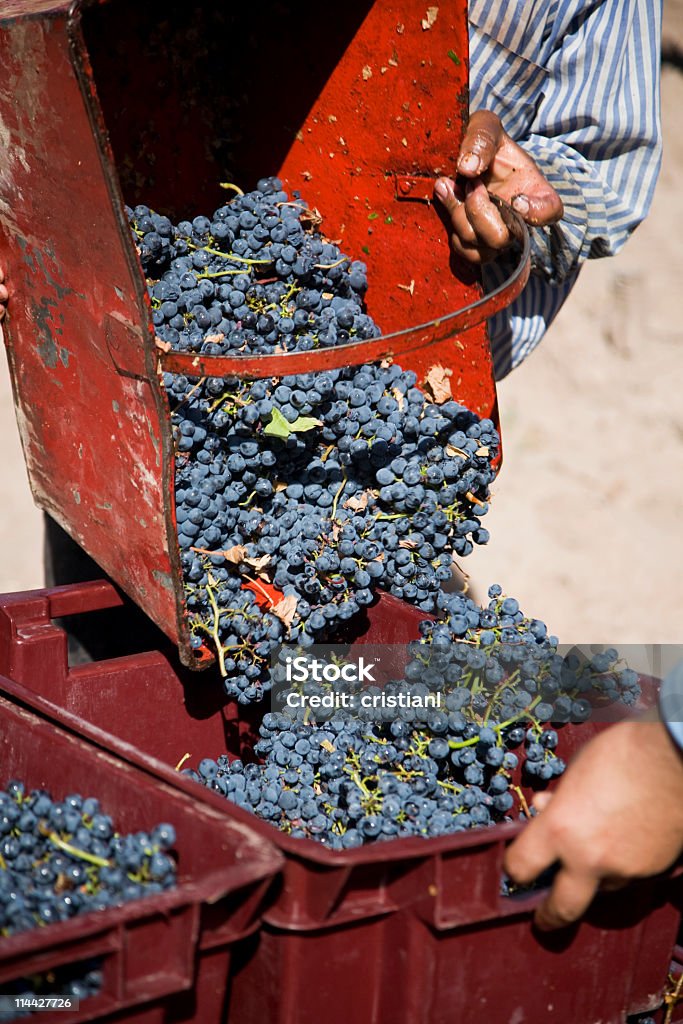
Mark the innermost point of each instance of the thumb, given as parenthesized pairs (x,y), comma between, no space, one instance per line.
(482,140)
(542,207)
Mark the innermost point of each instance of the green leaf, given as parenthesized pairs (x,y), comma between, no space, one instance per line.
(365,249)
(373,216)
(304,423)
(389,219)
(454,57)
(278,426)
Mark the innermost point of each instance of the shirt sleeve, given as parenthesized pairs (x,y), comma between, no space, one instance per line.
(671,704)
(596,134)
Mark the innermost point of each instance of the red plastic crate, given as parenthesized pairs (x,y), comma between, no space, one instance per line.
(403,931)
(171,951)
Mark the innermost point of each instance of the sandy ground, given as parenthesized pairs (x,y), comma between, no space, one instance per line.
(587,519)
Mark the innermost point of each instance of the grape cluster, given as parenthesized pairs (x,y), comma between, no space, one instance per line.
(296,498)
(346,779)
(255,277)
(63,858)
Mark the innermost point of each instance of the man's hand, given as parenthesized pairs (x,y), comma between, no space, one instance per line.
(4,294)
(616,815)
(490,161)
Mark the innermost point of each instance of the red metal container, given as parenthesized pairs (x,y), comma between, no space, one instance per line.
(156,103)
(405,931)
(172,950)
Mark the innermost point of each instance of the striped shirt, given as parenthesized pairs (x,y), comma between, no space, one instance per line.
(576,84)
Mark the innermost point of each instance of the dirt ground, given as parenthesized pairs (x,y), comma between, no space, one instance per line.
(587,519)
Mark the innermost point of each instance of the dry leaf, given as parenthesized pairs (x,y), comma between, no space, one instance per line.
(258,564)
(165,346)
(331,118)
(299,136)
(328,295)
(265,593)
(438,383)
(483,451)
(400,398)
(285,609)
(473,498)
(409,544)
(215,338)
(280,486)
(235,554)
(306,175)
(400,28)
(326,745)
(311,218)
(429,18)
(459,344)
(386,363)
(367,72)
(357,502)
(452,451)
(407,287)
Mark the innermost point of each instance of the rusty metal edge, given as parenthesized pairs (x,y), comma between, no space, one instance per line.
(374,349)
(87,86)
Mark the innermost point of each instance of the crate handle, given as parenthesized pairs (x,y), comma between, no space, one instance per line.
(388,345)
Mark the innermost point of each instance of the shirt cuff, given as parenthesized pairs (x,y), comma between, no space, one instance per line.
(557,250)
(671,704)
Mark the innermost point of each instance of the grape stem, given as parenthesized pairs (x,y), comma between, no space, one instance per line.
(229,255)
(522,801)
(503,725)
(499,689)
(672,999)
(74,851)
(337,496)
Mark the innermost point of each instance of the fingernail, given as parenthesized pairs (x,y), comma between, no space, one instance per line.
(469,163)
(521,205)
(443,190)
